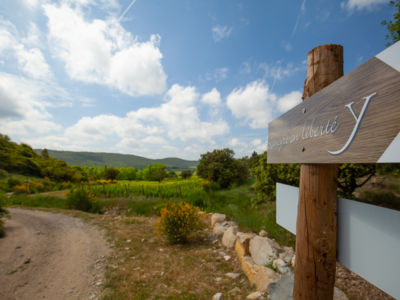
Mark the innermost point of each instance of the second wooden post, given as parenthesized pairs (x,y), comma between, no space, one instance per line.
(316,217)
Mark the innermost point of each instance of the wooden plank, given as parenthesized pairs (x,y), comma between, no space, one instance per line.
(317,130)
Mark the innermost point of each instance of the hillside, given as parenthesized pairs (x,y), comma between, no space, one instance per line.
(101,159)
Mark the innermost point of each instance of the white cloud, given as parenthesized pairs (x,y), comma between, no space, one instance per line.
(257,104)
(287,46)
(32,62)
(302,11)
(218,74)
(289,101)
(362,4)
(30,59)
(212,98)
(220,32)
(103,52)
(23,108)
(254,103)
(245,146)
(279,71)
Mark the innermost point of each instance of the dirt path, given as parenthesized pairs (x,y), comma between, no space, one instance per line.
(50,256)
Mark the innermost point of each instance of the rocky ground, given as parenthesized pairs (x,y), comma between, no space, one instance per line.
(51,256)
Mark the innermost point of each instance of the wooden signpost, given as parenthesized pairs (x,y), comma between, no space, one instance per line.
(356,119)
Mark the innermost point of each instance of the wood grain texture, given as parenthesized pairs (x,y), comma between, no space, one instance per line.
(316,226)
(316,233)
(380,125)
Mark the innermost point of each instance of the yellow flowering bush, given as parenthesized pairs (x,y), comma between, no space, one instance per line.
(178,221)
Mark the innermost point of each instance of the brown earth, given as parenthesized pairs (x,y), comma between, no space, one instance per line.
(50,256)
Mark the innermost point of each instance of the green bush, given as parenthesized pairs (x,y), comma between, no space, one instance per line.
(3,213)
(13,182)
(179,221)
(81,199)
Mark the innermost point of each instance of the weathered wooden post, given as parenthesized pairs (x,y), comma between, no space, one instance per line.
(316,222)
(354,119)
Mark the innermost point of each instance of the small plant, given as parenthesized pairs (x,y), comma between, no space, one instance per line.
(178,221)
(3,213)
(81,199)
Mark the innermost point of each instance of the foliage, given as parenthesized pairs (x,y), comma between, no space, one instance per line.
(219,166)
(352,176)
(267,175)
(36,201)
(22,159)
(185,174)
(178,221)
(3,213)
(166,189)
(81,199)
(381,198)
(393,26)
(111,173)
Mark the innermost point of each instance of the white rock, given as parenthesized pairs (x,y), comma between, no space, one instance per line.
(218,296)
(227,257)
(293,261)
(255,295)
(217,218)
(263,233)
(262,251)
(235,290)
(243,236)
(219,229)
(281,266)
(232,275)
(339,295)
(229,237)
(286,256)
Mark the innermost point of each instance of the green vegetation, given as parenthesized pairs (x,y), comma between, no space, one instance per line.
(220,167)
(21,159)
(3,213)
(100,159)
(179,221)
(393,26)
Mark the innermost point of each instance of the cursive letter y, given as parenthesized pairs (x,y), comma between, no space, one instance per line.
(358,122)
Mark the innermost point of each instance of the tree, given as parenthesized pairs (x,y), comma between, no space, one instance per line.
(186,174)
(352,176)
(111,173)
(219,166)
(45,154)
(393,26)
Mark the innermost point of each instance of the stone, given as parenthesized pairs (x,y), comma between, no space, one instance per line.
(339,294)
(293,261)
(255,295)
(232,275)
(280,265)
(234,291)
(286,257)
(261,277)
(282,288)
(218,296)
(227,257)
(262,251)
(263,233)
(229,237)
(219,230)
(243,243)
(217,218)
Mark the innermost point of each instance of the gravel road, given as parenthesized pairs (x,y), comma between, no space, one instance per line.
(51,256)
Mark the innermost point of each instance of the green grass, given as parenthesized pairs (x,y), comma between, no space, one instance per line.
(237,203)
(36,201)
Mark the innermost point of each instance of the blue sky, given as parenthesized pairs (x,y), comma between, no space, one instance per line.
(161,78)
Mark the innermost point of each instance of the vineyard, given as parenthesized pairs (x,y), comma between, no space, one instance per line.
(165,189)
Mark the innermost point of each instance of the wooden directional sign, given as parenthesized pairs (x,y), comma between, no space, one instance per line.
(355,119)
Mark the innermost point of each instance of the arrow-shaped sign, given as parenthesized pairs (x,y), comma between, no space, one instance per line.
(355,119)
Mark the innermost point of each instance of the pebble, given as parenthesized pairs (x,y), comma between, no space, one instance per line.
(232,275)
(227,257)
(254,295)
(218,296)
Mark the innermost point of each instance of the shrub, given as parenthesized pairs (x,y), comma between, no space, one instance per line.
(80,199)
(21,189)
(198,198)
(13,182)
(178,221)
(3,213)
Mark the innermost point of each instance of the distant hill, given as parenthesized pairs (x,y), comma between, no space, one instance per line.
(101,159)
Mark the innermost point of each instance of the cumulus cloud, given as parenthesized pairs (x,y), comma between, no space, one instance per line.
(212,98)
(23,106)
(220,32)
(256,103)
(352,5)
(103,52)
(289,101)
(245,146)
